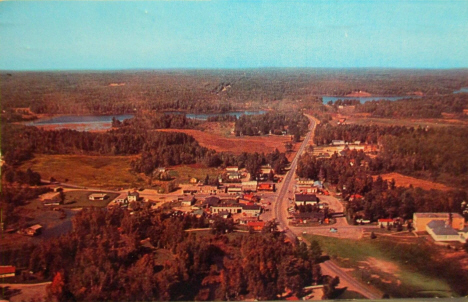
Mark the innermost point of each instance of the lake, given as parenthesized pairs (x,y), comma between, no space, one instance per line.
(205,116)
(79,122)
(364,99)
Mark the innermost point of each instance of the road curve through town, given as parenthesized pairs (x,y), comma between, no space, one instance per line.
(280,213)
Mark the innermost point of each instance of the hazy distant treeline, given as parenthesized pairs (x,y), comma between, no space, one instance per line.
(208,91)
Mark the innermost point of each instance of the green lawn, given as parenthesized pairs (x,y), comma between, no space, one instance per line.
(399,269)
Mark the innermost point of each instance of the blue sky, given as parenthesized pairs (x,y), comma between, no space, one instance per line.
(64,35)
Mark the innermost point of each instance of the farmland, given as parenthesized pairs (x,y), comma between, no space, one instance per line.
(406,181)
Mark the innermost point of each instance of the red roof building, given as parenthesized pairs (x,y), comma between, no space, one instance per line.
(7,271)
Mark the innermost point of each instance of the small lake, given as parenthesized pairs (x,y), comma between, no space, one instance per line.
(79,122)
(364,99)
(464,89)
(205,116)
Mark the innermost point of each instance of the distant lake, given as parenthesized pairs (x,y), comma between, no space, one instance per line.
(79,122)
(364,99)
(205,116)
(464,89)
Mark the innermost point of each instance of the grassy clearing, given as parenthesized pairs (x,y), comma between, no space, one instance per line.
(184,173)
(88,171)
(79,199)
(400,269)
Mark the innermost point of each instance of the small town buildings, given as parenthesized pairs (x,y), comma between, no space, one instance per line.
(420,220)
(190,189)
(305,199)
(305,181)
(208,189)
(7,271)
(384,222)
(251,210)
(249,186)
(122,199)
(234,189)
(51,202)
(338,142)
(246,219)
(306,189)
(441,231)
(233,209)
(34,230)
(266,186)
(232,169)
(210,201)
(98,196)
(133,196)
(234,175)
(186,201)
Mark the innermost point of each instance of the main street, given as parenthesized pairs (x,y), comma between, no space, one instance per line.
(280,213)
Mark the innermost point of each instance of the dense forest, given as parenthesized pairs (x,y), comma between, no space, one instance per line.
(293,123)
(111,255)
(157,149)
(436,153)
(426,107)
(352,174)
(209,90)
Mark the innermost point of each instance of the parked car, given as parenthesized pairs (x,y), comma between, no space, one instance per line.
(333,230)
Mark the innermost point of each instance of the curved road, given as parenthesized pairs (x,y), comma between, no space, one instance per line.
(281,205)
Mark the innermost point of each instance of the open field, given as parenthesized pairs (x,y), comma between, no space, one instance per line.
(88,171)
(399,269)
(79,199)
(364,119)
(184,173)
(406,181)
(237,145)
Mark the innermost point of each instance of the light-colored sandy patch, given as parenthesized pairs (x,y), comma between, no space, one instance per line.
(406,181)
(382,265)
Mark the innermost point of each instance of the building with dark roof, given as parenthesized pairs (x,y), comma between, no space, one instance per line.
(441,231)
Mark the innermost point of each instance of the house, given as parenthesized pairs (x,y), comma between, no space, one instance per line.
(306,189)
(384,222)
(251,210)
(224,214)
(441,231)
(210,201)
(122,199)
(198,213)
(208,189)
(190,189)
(318,184)
(245,201)
(193,180)
(98,196)
(305,181)
(246,219)
(305,199)
(186,201)
(230,208)
(266,169)
(249,186)
(34,230)
(256,225)
(308,217)
(232,169)
(234,175)
(7,271)
(51,202)
(420,220)
(251,197)
(133,196)
(234,189)
(338,142)
(266,186)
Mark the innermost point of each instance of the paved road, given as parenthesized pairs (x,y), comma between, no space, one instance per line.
(280,213)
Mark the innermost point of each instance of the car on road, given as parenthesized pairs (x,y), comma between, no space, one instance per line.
(333,230)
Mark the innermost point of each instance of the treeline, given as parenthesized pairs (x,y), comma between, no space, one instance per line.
(208,90)
(352,174)
(294,123)
(425,107)
(109,255)
(369,134)
(436,153)
(152,120)
(20,143)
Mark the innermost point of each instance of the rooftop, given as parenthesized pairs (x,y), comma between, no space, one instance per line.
(440,228)
(306,197)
